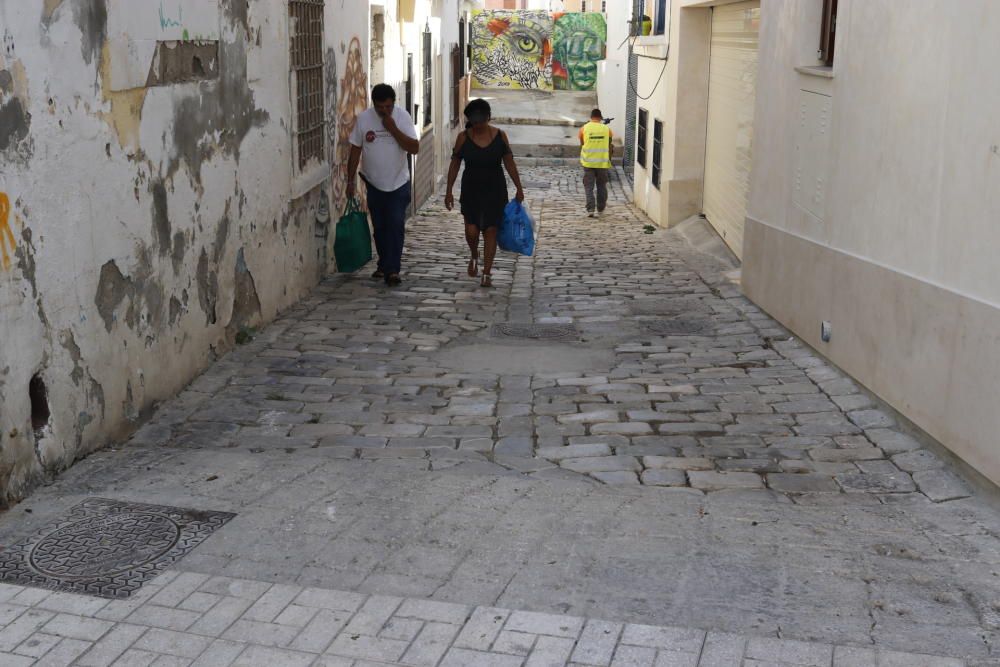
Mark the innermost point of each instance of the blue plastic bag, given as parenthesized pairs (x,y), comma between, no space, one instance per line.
(517,231)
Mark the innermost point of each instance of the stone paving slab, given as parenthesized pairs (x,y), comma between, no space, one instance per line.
(377,630)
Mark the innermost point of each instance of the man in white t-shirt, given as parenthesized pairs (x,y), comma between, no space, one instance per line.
(381,140)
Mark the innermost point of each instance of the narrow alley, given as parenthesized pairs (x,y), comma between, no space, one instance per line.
(745,415)
(611,457)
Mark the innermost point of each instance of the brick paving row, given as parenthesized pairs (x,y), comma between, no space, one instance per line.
(186,619)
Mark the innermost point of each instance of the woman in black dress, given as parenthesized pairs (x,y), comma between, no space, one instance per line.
(484,149)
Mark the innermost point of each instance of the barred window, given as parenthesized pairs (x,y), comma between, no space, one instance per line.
(657,151)
(456,83)
(641,143)
(428,85)
(306,17)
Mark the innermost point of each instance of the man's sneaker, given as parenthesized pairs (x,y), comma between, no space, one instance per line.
(591,214)
(393,279)
(378,275)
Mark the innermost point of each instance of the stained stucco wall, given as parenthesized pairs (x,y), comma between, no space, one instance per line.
(144,226)
(895,241)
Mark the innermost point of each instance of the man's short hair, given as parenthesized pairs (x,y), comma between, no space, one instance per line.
(596,113)
(383,92)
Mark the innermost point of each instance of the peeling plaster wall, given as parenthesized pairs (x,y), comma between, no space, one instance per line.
(141,228)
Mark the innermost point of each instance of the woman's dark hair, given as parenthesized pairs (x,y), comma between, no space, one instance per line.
(478,109)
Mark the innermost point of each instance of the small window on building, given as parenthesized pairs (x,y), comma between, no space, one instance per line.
(657,151)
(411,104)
(604,6)
(428,85)
(640,153)
(456,83)
(829,32)
(652,17)
(583,5)
(461,45)
(307,78)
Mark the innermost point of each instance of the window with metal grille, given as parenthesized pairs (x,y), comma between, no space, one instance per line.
(425,63)
(461,45)
(456,82)
(411,105)
(657,151)
(828,33)
(306,17)
(640,151)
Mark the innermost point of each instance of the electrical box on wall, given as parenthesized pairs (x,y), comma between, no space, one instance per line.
(825,331)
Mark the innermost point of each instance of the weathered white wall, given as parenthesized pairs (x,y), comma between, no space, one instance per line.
(146,226)
(901,255)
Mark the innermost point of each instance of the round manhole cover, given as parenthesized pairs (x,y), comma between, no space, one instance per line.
(534,331)
(104,545)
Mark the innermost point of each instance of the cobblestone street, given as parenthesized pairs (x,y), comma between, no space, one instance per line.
(610,458)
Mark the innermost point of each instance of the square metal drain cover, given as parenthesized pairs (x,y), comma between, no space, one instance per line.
(534,331)
(107,548)
(680,326)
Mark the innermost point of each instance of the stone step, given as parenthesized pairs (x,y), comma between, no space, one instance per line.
(547,122)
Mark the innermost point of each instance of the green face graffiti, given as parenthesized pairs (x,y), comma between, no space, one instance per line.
(579,45)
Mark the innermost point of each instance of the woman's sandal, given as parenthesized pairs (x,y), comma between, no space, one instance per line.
(487,280)
(473,269)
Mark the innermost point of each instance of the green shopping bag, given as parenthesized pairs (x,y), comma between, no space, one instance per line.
(352,246)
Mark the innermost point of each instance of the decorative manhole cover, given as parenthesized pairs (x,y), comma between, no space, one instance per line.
(536,185)
(680,326)
(107,548)
(534,331)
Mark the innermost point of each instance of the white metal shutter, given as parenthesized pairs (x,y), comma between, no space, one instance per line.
(731,91)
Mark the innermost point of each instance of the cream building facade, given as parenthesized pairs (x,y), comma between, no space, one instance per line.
(874,205)
(858,185)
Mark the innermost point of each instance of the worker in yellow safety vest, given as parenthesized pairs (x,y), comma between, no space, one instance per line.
(595,156)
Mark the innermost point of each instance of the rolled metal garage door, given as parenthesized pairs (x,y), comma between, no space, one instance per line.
(731,92)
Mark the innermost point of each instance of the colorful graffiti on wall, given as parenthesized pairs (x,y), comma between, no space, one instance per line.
(353,101)
(7,243)
(511,49)
(579,43)
(537,50)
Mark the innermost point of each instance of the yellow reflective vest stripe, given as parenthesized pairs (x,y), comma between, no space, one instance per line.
(596,151)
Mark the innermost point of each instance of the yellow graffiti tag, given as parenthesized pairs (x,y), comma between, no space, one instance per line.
(6,236)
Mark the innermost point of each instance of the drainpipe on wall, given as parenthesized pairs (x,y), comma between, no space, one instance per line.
(322,232)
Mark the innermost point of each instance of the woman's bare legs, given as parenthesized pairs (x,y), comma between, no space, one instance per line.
(472,238)
(490,247)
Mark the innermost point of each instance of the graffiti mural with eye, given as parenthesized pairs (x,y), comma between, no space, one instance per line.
(511,49)
(580,42)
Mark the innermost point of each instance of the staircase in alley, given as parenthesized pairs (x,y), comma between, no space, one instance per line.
(542,125)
